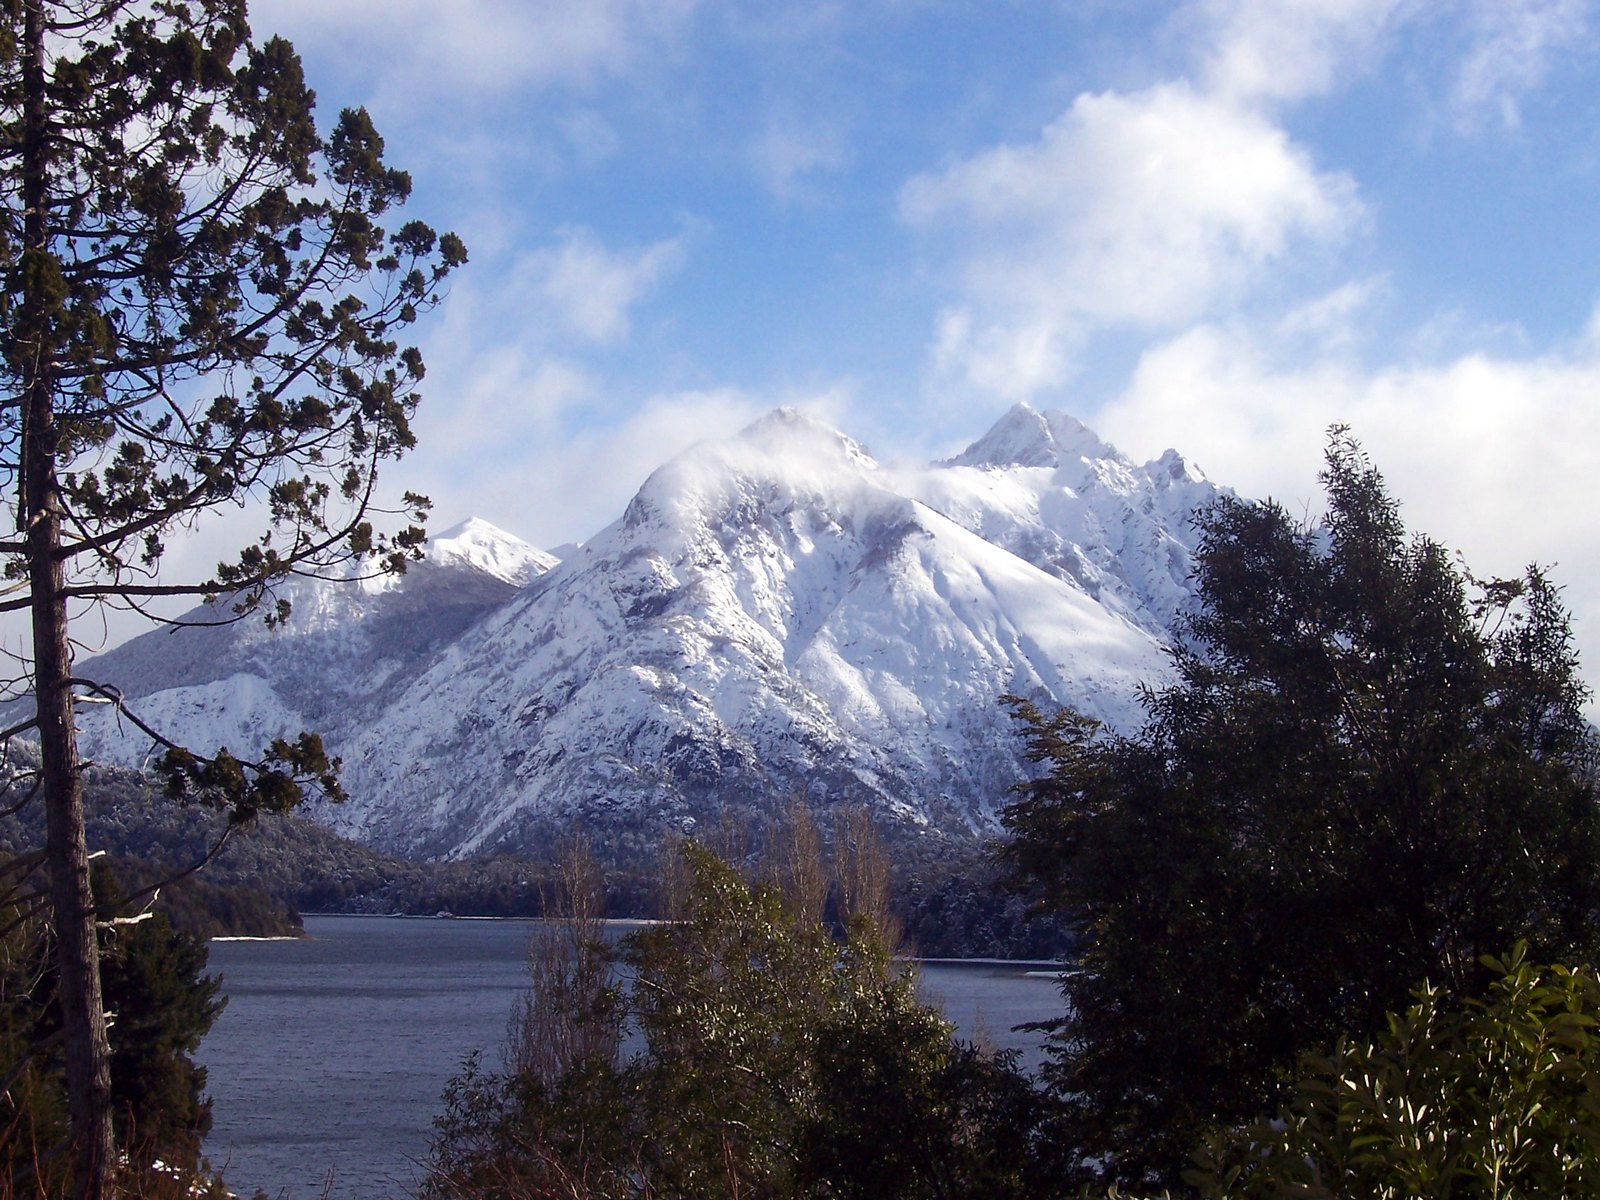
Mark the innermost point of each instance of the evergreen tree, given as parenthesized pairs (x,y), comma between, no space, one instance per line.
(33,1110)
(1372,770)
(200,311)
(161,1005)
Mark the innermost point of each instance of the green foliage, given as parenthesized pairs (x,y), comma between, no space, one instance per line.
(1493,1099)
(162,1004)
(954,900)
(205,908)
(770,1060)
(727,999)
(902,1111)
(1373,769)
(202,312)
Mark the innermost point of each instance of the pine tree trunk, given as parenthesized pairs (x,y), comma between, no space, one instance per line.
(88,1052)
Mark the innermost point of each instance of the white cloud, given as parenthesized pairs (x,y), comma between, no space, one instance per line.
(478,45)
(512,399)
(1010,360)
(1329,319)
(593,290)
(787,152)
(1145,209)
(1286,49)
(612,461)
(1492,455)
(571,485)
(1513,44)
(1189,200)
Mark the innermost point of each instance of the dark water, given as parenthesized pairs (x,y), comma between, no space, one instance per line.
(327,1065)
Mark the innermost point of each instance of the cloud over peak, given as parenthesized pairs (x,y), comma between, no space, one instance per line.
(1141,208)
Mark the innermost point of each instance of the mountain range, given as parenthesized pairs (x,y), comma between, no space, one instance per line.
(774,616)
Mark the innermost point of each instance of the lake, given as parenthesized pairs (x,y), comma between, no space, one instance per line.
(326,1068)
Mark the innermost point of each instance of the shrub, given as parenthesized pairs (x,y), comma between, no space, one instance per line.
(1489,1099)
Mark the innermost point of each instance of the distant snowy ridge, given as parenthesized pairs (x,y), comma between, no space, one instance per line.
(775,615)
(343,645)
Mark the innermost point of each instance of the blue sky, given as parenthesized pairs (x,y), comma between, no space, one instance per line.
(1219,226)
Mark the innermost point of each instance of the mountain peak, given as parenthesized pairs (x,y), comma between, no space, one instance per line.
(1021,438)
(787,430)
(1173,467)
(773,615)
(785,451)
(1025,437)
(478,544)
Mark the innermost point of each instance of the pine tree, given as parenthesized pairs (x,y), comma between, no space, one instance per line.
(1372,770)
(161,1005)
(200,312)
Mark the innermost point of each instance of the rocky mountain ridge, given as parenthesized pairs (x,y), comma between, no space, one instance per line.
(774,616)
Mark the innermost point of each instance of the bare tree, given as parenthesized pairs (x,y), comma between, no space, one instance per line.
(864,874)
(572,1011)
(793,858)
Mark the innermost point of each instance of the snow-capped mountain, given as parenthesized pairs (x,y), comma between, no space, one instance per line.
(774,616)
(479,545)
(346,642)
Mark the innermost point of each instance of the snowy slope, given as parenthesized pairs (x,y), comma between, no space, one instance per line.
(769,618)
(1045,487)
(344,645)
(774,616)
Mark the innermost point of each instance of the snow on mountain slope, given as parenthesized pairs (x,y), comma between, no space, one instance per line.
(1045,487)
(242,713)
(773,616)
(344,643)
(476,543)
(769,618)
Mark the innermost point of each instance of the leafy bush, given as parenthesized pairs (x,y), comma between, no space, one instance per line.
(760,1057)
(1487,1100)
